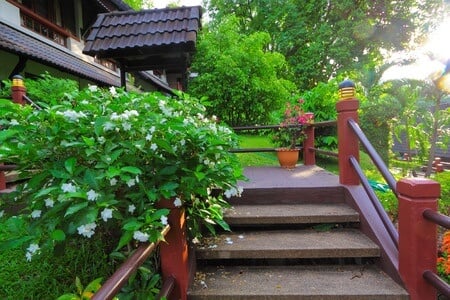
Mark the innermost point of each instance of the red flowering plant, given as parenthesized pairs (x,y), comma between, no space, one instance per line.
(292,127)
(443,261)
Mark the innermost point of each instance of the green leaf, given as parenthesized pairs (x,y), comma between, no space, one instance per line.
(58,235)
(132,225)
(69,164)
(169,170)
(90,179)
(223,224)
(78,285)
(6,134)
(59,174)
(45,192)
(14,243)
(89,141)
(199,175)
(132,170)
(68,297)
(75,208)
(94,285)
(124,239)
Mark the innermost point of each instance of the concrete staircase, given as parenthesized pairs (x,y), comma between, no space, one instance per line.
(300,243)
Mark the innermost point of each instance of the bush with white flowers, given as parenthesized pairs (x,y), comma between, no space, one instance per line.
(100,160)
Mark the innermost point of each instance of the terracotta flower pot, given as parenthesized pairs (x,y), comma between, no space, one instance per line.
(288,158)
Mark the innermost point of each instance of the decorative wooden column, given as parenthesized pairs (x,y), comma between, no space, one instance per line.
(18,90)
(174,251)
(417,236)
(309,156)
(348,144)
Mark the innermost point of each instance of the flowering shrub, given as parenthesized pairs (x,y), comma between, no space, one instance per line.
(100,160)
(291,131)
(443,262)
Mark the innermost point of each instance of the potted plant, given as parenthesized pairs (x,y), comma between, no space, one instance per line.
(291,133)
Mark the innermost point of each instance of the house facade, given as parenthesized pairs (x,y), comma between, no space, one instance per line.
(38,36)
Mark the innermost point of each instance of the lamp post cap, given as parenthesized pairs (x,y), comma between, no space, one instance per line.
(346,84)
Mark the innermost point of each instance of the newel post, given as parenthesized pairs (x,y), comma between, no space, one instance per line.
(174,251)
(309,156)
(348,144)
(18,90)
(417,236)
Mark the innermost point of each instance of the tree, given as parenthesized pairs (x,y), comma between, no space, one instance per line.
(238,75)
(321,38)
(139,4)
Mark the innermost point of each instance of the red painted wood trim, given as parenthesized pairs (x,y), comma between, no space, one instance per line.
(417,236)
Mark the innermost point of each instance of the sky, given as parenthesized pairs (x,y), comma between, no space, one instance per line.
(163,3)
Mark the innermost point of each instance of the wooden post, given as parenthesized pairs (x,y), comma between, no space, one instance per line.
(18,90)
(348,144)
(174,251)
(417,236)
(309,156)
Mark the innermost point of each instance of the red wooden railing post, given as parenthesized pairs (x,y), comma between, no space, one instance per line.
(417,236)
(348,145)
(18,90)
(309,156)
(174,251)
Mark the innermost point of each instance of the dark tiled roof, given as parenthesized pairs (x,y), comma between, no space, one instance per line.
(20,43)
(15,41)
(145,38)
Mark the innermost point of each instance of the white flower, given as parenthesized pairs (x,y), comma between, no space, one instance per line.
(126,126)
(2,212)
(137,178)
(101,140)
(131,182)
(113,91)
(87,230)
(93,88)
(72,115)
(108,126)
(36,214)
(106,214)
(49,202)
(33,248)
(153,147)
(113,182)
(148,137)
(140,236)
(131,208)
(13,122)
(92,195)
(234,192)
(164,220)
(152,129)
(28,255)
(177,202)
(68,188)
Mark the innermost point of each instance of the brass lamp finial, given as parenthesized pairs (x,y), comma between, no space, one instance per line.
(347,90)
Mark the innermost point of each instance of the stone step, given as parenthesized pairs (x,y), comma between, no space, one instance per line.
(304,213)
(294,282)
(289,195)
(288,244)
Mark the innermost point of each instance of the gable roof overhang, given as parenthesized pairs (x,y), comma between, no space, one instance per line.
(148,39)
(22,44)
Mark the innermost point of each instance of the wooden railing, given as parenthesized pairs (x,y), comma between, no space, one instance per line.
(113,285)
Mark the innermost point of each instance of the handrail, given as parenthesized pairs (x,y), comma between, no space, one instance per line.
(7,167)
(379,163)
(27,99)
(392,231)
(436,281)
(437,218)
(167,288)
(113,285)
